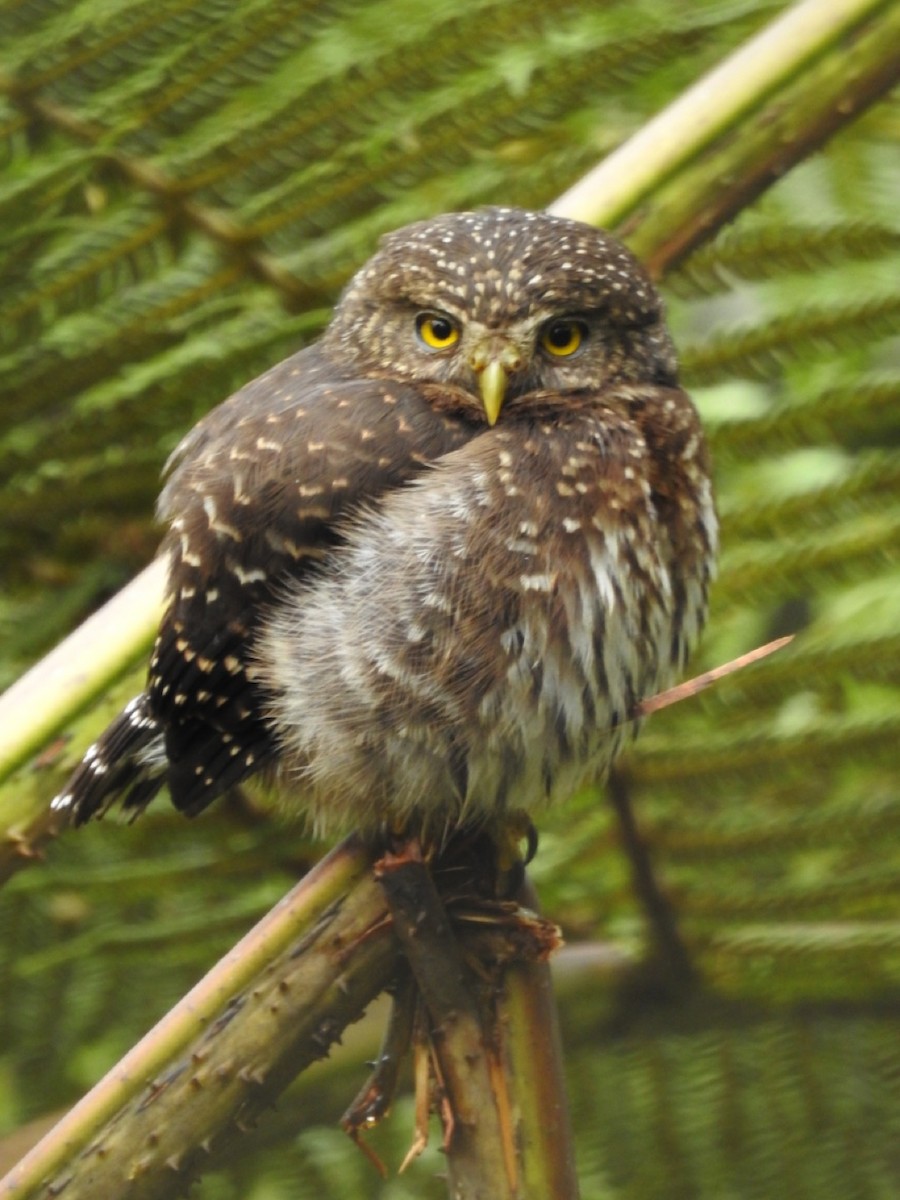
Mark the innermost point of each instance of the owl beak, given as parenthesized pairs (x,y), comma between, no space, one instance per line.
(492,383)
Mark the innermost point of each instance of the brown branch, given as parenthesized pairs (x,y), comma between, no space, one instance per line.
(495,1050)
(374,1098)
(670,952)
(699,683)
(477,1126)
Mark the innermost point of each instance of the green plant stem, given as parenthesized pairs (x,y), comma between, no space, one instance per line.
(274,1004)
(527,1020)
(75,673)
(687,209)
(494,1038)
(476,1141)
(658,189)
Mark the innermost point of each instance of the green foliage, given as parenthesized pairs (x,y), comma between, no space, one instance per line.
(183,189)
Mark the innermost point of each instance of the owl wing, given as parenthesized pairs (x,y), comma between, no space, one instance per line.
(256,496)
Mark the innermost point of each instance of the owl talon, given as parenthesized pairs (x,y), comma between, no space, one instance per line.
(533,841)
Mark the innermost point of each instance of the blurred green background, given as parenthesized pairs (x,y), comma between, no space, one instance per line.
(183,190)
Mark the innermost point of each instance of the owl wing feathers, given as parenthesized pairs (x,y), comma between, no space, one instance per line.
(256,496)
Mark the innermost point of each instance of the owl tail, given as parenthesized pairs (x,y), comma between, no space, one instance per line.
(126,763)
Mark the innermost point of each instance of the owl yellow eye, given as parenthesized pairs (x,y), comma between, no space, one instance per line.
(562,338)
(436,331)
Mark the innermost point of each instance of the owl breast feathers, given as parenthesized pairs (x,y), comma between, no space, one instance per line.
(425,568)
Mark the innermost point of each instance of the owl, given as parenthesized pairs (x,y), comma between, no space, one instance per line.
(423,570)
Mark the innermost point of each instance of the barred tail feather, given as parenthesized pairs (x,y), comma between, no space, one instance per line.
(127,763)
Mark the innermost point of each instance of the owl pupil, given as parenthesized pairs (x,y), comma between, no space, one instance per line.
(441,328)
(560,335)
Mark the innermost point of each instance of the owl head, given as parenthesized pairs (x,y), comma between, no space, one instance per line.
(502,303)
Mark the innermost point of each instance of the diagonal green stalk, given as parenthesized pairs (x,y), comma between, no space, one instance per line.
(72,676)
(271,1006)
(756,77)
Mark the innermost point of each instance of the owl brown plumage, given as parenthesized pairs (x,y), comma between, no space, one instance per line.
(428,565)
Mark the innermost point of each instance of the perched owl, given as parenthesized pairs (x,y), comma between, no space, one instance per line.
(425,568)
